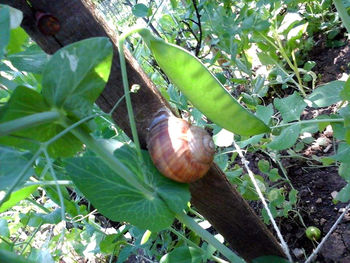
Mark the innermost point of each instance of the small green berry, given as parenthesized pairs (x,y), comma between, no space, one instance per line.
(313,233)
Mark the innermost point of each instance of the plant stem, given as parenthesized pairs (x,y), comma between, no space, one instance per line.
(28,122)
(127,92)
(291,65)
(262,198)
(59,182)
(217,259)
(191,224)
(307,122)
(343,14)
(20,176)
(106,156)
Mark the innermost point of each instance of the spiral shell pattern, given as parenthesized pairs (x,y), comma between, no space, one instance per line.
(180,151)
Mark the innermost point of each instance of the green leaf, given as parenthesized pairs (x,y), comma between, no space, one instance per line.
(201,87)
(264,166)
(293,196)
(344,194)
(10,257)
(327,94)
(343,153)
(274,175)
(183,255)
(140,10)
(290,107)
(269,259)
(17,196)
(4,28)
(345,93)
(76,75)
(16,17)
(264,113)
(111,243)
(52,218)
(344,171)
(12,163)
(174,4)
(119,200)
(18,37)
(31,60)
(4,228)
(286,139)
(24,102)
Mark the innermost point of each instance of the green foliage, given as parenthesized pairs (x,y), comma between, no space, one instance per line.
(183,254)
(202,88)
(12,166)
(76,75)
(290,107)
(4,28)
(25,102)
(286,139)
(121,201)
(327,94)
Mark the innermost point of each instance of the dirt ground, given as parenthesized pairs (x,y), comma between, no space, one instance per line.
(317,184)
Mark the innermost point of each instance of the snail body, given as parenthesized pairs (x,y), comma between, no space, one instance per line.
(180,151)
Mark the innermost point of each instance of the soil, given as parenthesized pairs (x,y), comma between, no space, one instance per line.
(317,185)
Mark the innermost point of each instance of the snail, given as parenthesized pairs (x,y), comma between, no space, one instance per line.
(180,151)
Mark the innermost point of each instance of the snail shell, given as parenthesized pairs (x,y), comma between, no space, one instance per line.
(180,151)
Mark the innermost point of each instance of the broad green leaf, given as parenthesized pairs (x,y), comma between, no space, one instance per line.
(264,166)
(76,75)
(174,4)
(344,194)
(112,243)
(4,228)
(343,153)
(24,102)
(344,171)
(30,60)
(16,17)
(18,37)
(140,10)
(183,255)
(345,93)
(17,196)
(4,28)
(264,113)
(286,139)
(327,94)
(247,189)
(290,107)
(119,200)
(12,163)
(36,219)
(270,259)
(11,257)
(293,196)
(202,89)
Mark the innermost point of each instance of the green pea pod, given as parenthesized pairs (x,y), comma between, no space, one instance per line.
(202,88)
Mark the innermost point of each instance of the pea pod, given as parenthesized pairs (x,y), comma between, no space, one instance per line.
(202,88)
